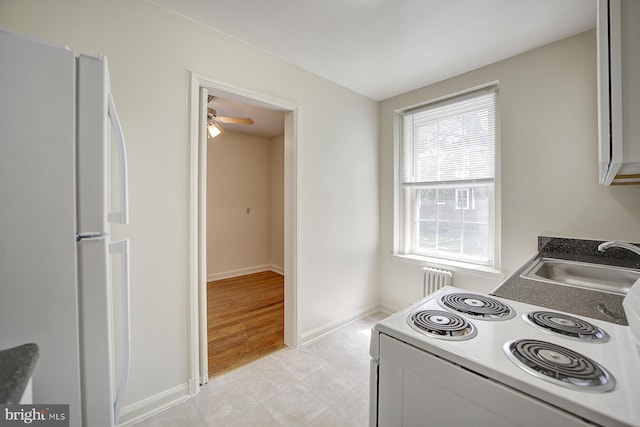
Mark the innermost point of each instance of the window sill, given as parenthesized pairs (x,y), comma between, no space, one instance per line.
(456,266)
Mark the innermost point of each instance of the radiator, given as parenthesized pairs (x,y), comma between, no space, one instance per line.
(435,279)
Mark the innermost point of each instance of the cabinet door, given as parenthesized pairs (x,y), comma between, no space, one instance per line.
(630,88)
(419,389)
(609,90)
(618,91)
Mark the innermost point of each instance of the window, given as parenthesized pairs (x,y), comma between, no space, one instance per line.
(447,178)
(462,198)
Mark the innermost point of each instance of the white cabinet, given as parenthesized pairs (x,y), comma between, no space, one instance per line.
(619,91)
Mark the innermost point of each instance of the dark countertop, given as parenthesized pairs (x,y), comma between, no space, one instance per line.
(16,367)
(583,302)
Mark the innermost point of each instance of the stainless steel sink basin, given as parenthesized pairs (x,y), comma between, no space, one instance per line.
(604,278)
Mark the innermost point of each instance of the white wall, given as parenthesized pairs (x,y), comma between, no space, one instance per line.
(239,177)
(548,140)
(151,52)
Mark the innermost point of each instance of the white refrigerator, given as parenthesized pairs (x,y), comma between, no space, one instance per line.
(58,134)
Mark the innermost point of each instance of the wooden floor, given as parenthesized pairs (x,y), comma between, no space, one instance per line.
(245,319)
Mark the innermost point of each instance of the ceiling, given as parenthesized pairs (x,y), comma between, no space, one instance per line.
(268,122)
(382,48)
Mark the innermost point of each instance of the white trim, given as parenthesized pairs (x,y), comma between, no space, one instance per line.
(291,315)
(277,269)
(403,202)
(197,287)
(388,309)
(327,328)
(203,358)
(455,266)
(461,92)
(497,187)
(194,320)
(153,405)
(244,271)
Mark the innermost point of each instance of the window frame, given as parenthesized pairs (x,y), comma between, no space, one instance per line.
(467,205)
(405,197)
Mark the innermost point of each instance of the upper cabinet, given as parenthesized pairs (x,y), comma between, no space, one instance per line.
(619,91)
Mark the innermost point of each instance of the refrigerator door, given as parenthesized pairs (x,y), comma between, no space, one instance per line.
(96,110)
(94,273)
(39,294)
(121,248)
(93,145)
(121,216)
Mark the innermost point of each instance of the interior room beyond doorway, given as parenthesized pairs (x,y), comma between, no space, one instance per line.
(244,234)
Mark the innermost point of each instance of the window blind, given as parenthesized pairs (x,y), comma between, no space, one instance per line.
(451,141)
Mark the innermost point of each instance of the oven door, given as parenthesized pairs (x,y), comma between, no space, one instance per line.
(373,393)
(416,388)
(374,352)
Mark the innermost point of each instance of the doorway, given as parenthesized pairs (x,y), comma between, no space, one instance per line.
(198,371)
(244,232)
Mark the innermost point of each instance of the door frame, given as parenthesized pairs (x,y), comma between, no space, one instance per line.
(197,336)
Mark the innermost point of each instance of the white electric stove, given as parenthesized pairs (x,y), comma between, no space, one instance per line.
(462,358)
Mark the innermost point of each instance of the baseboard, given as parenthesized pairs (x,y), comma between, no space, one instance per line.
(277,269)
(388,309)
(153,405)
(244,271)
(317,333)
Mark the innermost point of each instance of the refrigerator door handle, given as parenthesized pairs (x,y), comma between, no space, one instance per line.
(121,247)
(84,237)
(122,216)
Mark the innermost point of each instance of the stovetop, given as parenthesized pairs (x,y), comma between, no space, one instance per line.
(585,366)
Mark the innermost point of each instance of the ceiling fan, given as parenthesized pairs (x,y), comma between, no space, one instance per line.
(213,119)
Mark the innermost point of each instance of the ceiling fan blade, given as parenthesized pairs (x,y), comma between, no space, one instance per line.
(236,120)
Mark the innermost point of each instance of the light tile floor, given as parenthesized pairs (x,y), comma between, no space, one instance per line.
(323,384)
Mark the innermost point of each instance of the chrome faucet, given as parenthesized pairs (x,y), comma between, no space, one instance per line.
(613,244)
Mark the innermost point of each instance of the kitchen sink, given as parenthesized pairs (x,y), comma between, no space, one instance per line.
(604,278)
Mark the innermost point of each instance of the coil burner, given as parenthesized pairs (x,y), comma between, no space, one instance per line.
(559,365)
(441,324)
(478,306)
(565,325)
